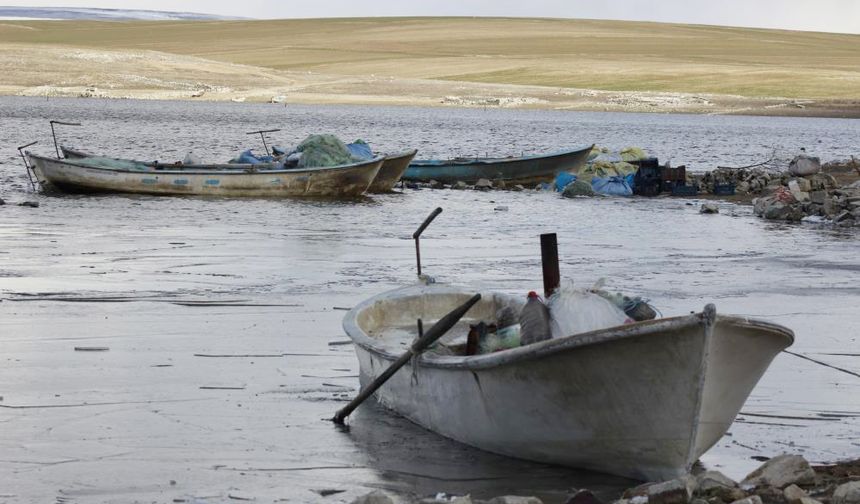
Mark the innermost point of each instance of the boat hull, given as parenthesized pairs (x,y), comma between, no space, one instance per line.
(210,180)
(524,170)
(642,401)
(391,171)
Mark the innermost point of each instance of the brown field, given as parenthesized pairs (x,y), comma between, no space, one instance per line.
(549,63)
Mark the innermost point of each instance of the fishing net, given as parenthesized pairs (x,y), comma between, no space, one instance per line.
(322,151)
(111,163)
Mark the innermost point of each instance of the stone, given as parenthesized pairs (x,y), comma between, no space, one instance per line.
(800,184)
(844,215)
(459,185)
(780,472)
(800,195)
(809,500)
(793,494)
(514,499)
(752,499)
(831,207)
(483,185)
(776,210)
(435,184)
(374,497)
(710,480)
(583,496)
(518,187)
(709,208)
(743,187)
(31,204)
(500,184)
(847,493)
(818,197)
(2,202)
(447,499)
(637,491)
(676,491)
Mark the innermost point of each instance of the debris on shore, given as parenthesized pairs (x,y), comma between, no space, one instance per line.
(784,479)
(829,193)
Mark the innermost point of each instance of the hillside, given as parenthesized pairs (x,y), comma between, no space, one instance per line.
(552,63)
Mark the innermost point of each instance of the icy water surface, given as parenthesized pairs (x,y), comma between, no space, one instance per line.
(221,317)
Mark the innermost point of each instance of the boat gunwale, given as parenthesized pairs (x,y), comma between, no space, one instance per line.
(400,155)
(434,163)
(209,169)
(543,348)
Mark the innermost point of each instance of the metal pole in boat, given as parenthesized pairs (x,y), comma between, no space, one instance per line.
(54,133)
(27,163)
(263,137)
(434,333)
(417,234)
(549,263)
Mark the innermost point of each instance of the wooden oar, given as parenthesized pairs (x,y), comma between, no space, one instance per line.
(434,333)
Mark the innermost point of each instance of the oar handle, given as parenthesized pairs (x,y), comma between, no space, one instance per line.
(434,333)
(28,145)
(427,221)
(262,131)
(64,123)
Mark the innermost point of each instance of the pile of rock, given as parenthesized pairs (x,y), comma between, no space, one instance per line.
(786,479)
(757,180)
(811,196)
(481,185)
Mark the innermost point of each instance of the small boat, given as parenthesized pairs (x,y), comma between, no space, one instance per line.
(515,170)
(391,171)
(393,166)
(642,400)
(94,174)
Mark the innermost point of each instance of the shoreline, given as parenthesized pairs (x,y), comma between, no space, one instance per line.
(484,96)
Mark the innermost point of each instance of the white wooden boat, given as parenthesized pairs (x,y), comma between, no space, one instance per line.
(393,167)
(643,400)
(261,180)
(391,171)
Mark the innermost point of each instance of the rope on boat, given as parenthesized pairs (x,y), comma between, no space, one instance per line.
(823,363)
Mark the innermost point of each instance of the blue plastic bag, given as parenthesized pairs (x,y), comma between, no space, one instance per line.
(563,179)
(611,186)
(360,149)
(248,157)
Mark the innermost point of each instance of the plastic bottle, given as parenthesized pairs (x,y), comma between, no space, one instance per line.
(534,321)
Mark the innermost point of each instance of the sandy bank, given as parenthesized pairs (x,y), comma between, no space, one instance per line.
(446,62)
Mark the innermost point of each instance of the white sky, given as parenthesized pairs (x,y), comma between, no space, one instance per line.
(818,15)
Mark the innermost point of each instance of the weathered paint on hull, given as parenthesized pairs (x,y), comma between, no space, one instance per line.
(642,401)
(345,181)
(391,171)
(526,170)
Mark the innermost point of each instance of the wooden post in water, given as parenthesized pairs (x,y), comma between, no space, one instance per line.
(549,262)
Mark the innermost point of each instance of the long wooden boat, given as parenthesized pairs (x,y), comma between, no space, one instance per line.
(393,166)
(262,180)
(643,400)
(391,171)
(515,170)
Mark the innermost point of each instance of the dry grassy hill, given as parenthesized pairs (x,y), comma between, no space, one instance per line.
(478,61)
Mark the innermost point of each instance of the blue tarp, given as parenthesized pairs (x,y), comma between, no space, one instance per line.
(563,179)
(248,157)
(612,186)
(360,149)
